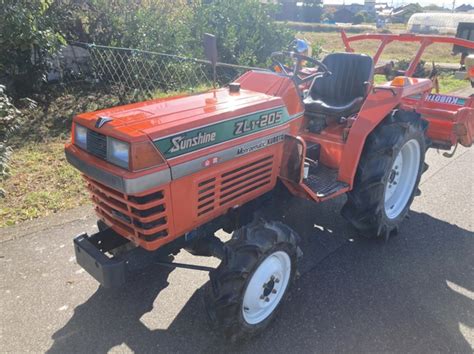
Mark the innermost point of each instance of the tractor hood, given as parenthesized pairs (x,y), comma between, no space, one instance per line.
(165,117)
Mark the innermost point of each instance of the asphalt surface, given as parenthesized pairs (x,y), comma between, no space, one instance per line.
(412,294)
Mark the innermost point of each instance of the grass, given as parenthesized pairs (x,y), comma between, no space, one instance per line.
(447,82)
(321,27)
(41,183)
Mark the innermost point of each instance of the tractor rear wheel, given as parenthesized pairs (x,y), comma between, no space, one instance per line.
(252,281)
(388,175)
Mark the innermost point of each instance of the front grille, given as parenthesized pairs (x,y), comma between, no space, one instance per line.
(143,218)
(97,144)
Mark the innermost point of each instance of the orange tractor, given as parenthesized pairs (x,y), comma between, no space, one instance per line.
(167,174)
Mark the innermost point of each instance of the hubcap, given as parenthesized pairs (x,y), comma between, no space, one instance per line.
(266,287)
(402,178)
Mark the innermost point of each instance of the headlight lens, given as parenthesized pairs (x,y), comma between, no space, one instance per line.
(80,136)
(118,152)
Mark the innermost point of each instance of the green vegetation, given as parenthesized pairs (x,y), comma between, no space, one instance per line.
(413,9)
(379,79)
(8,125)
(28,34)
(245,30)
(246,34)
(322,28)
(363,16)
(42,183)
(447,83)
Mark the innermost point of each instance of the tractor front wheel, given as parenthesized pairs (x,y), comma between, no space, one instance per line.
(252,281)
(388,175)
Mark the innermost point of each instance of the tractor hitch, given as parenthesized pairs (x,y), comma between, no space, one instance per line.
(112,259)
(91,254)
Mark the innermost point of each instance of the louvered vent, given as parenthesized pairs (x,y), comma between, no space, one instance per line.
(225,189)
(245,179)
(206,196)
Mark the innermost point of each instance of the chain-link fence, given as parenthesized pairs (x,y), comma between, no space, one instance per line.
(146,72)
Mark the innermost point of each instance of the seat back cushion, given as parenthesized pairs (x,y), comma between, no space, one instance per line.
(350,72)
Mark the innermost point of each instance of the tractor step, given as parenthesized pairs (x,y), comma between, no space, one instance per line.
(323,181)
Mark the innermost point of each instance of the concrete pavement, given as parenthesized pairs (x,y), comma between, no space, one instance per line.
(412,294)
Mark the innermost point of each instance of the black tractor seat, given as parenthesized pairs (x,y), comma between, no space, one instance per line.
(342,93)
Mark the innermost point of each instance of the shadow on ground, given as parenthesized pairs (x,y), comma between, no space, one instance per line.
(408,295)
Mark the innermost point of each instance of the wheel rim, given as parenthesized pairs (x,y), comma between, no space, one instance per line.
(402,178)
(266,287)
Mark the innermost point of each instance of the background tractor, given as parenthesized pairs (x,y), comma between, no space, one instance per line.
(465,30)
(167,174)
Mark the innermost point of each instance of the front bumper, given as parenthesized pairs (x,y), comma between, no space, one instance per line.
(94,254)
(91,254)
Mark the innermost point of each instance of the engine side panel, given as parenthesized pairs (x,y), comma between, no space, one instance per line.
(201,197)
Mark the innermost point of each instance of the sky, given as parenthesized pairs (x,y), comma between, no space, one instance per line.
(445,3)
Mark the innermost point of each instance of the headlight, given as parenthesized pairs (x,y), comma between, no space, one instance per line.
(118,152)
(80,136)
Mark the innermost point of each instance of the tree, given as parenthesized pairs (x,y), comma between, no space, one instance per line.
(360,17)
(328,13)
(8,124)
(312,10)
(434,7)
(28,32)
(246,33)
(407,13)
(245,30)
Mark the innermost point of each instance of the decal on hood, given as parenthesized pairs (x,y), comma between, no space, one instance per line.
(195,139)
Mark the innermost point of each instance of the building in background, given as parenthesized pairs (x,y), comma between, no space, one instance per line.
(464,8)
(437,23)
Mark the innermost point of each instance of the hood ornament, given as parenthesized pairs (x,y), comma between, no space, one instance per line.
(101,121)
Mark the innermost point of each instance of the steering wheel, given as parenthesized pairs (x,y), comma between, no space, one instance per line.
(298,76)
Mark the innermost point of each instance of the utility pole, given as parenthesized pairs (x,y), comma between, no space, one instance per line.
(454,4)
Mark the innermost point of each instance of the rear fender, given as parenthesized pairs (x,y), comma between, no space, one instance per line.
(375,108)
(378,104)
